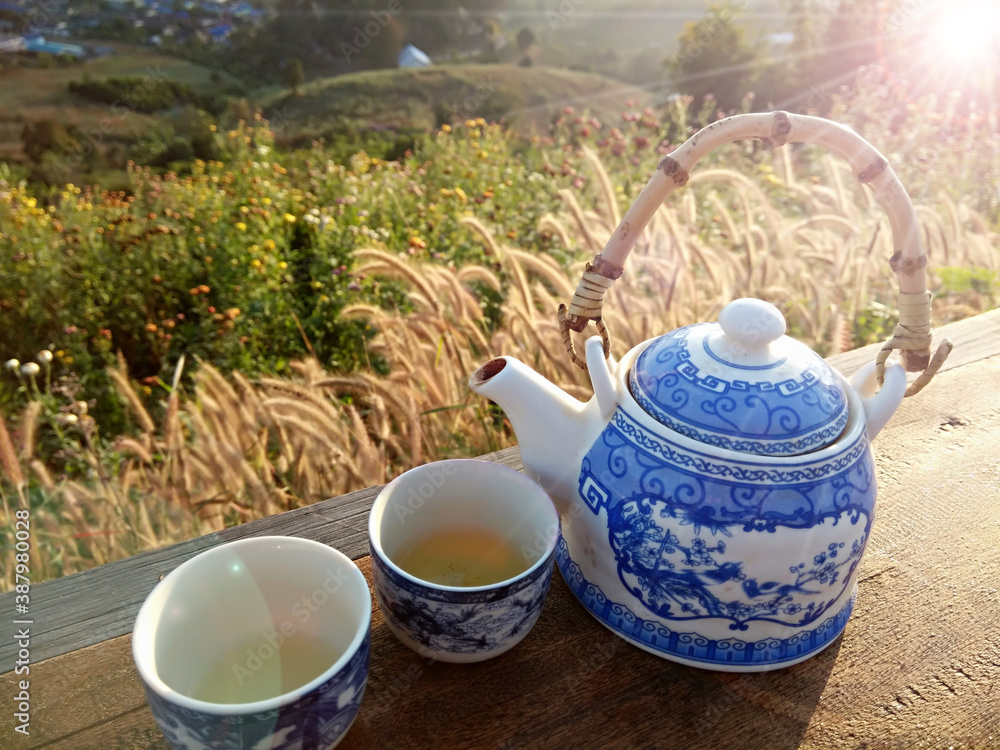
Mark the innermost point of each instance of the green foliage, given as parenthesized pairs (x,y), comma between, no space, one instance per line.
(247,261)
(47,136)
(979,280)
(295,76)
(851,38)
(144,94)
(875,322)
(525,39)
(179,140)
(716,58)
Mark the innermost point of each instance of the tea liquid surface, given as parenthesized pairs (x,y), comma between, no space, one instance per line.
(242,675)
(463,556)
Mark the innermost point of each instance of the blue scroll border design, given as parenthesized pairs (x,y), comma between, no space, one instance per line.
(815,439)
(810,469)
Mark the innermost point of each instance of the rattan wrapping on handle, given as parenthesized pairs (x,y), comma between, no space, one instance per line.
(912,334)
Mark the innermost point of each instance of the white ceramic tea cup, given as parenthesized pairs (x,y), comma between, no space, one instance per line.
(248,619)
(462,623)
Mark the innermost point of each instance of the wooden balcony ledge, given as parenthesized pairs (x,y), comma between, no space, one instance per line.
(918,665)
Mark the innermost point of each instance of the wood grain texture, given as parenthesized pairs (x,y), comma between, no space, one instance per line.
(917,667)
(974,339)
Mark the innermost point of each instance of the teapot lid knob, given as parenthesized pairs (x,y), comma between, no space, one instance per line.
(751,324)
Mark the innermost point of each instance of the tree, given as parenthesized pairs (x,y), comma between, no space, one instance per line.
(47,136)
(294,75)
(715,56)
(525,39)
(384,48)
(851,40)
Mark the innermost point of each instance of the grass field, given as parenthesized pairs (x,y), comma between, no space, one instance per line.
(419,99)
(32,94)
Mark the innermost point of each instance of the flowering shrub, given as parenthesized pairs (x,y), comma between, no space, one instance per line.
(246,262)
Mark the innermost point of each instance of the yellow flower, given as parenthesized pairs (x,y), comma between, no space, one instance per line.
(483,155)
(269,245)
(461,195)
(255,263)
(470,123)
(317,285)
(481,122)
(446,128)
(289,218)
(282,265)
(266,201)
(241,226)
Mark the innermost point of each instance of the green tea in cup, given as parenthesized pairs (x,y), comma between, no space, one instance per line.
(462,555)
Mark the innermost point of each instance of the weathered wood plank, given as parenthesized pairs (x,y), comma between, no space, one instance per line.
(95,605)
(974,339)
(916,668)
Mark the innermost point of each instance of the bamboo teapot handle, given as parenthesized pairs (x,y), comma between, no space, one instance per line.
(912,334)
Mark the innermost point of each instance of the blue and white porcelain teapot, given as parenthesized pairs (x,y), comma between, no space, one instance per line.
(717,492)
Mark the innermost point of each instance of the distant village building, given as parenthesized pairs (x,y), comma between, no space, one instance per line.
(38,44)
(220,32)
(12,44)
(411,57)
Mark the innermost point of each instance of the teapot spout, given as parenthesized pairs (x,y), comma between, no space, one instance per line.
(548,422)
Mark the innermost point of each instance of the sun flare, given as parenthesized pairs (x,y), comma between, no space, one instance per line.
(968,33)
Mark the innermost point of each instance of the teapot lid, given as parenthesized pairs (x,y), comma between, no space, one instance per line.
(741,384)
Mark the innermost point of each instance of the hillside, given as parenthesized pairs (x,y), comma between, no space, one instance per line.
(33,94)
(526,98)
